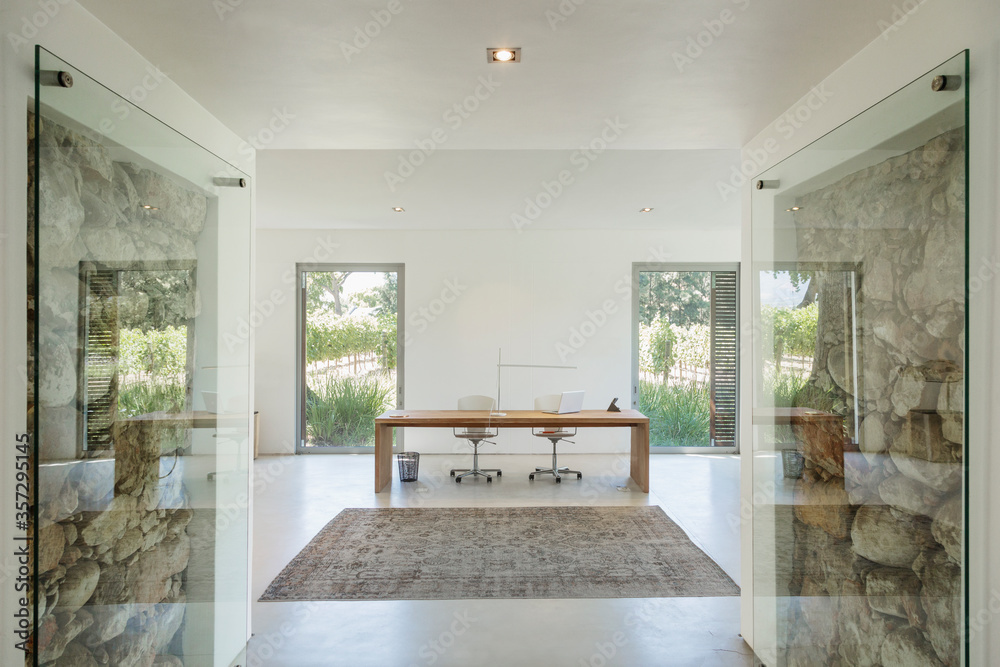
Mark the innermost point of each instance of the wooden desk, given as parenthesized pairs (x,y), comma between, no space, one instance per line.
(632,419)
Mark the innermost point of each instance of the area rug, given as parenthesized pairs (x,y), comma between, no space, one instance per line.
(508,552)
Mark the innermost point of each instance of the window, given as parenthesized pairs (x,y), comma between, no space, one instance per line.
(685,365)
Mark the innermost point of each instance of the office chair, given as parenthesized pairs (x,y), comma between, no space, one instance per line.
(554,435)
(475,436)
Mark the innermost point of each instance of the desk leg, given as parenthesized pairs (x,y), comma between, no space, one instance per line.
(639,470)
(383,456)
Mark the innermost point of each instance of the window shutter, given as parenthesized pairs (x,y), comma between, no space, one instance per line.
(100,358)
(725,347)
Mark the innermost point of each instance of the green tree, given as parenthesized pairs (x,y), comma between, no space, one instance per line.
(683,298)
(384,296)
(325,289)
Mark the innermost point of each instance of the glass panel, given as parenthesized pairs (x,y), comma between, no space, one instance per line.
(141,258)
(859,246)
(350,320)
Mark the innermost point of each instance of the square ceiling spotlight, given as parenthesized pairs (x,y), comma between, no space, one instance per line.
(503,54)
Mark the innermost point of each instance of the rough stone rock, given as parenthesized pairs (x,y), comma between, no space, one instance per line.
(61,211)
(112,587)
(179,521)
(109,526)
(78,586)
(953,427)
(110,245)
(47,628)
(819,611)
(873,438)
(909,495)
(134,647)
(908,392)
(57,376)
(947,527)
(68,627)
(895,591)
(878,280)
(109,622)
(99,213)
(940,278)
(822,439)
(921,437)
(861,629)
(77,655)
(908,647)
(878,368)
(125,197)
(862,475)
(942,477)
(93,158)
(151,579)
(70,531)
(824,505)
(169,618)
(887,537)
(149,522)
(155,536)
(51,543)
(941,598)
(70,556)
(130,542)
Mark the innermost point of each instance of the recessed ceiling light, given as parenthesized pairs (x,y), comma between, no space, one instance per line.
(398,209)
(645,210)
(503,55)
(793,209)
(148,207)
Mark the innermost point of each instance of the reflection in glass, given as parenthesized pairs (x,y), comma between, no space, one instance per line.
(140,409)
(858,459)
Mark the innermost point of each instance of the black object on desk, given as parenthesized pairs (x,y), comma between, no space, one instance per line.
(613,407)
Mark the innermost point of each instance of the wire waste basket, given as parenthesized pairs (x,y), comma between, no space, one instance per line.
(409,463)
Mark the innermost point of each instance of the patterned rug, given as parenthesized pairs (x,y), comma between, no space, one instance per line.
(508,552)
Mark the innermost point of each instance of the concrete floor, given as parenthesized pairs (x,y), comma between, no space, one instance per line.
(297,495)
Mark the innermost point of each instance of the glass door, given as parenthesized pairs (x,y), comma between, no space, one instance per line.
(859,453)
(139,245)
(351,353)
(685,356)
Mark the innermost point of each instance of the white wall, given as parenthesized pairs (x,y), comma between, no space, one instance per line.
(916,42)
(524,293)
(70,32)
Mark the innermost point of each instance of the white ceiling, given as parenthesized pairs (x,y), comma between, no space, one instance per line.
(608,59)
(487,189)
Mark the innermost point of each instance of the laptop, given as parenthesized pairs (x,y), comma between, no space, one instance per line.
(570,402)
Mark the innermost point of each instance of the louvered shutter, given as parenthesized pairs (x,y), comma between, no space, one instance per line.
(100,354)
(725,343)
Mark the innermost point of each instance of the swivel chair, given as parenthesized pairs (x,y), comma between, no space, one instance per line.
(554,435)
(475,436)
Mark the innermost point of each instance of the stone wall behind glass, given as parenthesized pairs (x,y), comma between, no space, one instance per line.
(115,542)
(878,531)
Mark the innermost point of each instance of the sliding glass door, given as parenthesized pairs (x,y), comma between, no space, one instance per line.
(684,355)
(350,353)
